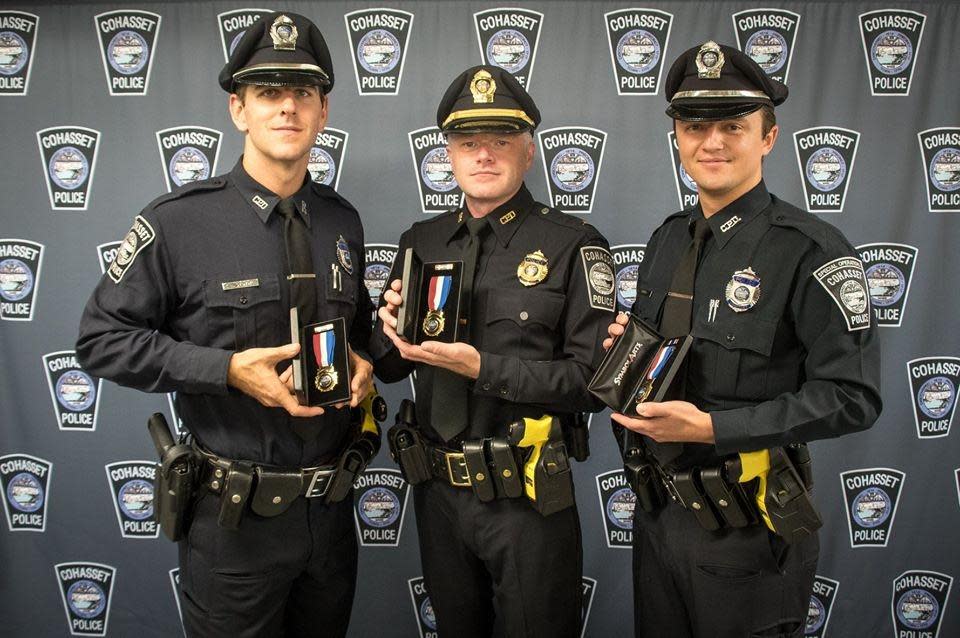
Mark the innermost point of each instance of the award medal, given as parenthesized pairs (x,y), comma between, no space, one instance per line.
(533,269)
(743,290)
(436,299)
(663,355)
(324,348)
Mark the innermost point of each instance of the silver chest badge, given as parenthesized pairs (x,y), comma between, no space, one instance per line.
(343,255)
(743,290)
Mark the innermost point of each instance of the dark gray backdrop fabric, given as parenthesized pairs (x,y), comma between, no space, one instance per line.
(573,81)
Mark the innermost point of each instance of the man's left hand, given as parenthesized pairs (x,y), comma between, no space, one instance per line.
(461,358)
(362,382)
(670,421)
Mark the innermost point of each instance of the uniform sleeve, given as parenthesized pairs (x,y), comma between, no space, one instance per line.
(559,385)
(122,334)
(362,329)
(840,393)
(388,365)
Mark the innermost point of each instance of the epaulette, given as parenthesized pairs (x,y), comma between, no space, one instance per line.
(558,217)
(327,192)
(435,219)
(212,184)
(825,235)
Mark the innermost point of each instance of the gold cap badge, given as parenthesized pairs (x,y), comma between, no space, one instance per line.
(483,87)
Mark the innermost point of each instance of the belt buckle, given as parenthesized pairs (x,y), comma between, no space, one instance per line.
(313,487)
(462,478)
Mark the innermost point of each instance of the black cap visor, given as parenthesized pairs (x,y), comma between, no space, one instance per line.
(709,109)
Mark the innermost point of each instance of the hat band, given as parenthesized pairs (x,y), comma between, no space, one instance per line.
(698,94)
(281,66)
(514,113)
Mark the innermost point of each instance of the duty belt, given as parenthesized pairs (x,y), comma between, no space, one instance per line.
(314,481)
(450,466)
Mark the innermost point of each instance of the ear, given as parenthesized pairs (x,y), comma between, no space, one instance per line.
(770,139)
(238,113)
(531,152)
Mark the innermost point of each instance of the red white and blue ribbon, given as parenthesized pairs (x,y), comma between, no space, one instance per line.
(439,291)
(324,347)
(663,355)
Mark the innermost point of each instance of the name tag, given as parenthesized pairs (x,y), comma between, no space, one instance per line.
(243,283)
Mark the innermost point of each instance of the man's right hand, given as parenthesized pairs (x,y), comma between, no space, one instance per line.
(388,312)
(615,329)
(254,372)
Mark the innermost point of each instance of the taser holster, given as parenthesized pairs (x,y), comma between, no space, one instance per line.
(175,480)
(547,478)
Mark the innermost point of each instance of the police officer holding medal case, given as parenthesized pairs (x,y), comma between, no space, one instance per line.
(538,296)
(784,351)
(198,302)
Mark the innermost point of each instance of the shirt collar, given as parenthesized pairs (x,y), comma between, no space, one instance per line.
(262,200)
(504,220)
(728,221)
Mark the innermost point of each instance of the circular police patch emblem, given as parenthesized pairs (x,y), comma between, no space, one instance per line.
(136,499)
(627,285)
(936,397)
(75,390)
(853,296)
(25,492)
(343,255)
(945,169)
(871,507)
(826,169)
(427,616)
(620,507)
(768,49)
(188,165)
(321,166)
(375,279)
(13,53)
(572,170)
(891,52)
(86,598)
(379,507)
(816,615)
(509,50)
(743,290)
(68,168)
(602,278)
(436,171)
(128,52)
(886,283)
(378,51)
(917,609)
(692,185)
(638,51)
(16,279)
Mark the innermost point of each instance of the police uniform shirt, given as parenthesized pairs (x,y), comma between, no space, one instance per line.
(538,344)
(202,275)
(796,362)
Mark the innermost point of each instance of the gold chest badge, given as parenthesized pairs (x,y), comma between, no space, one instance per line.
(533,269)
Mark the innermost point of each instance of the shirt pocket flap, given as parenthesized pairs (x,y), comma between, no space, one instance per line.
(241,292)
(754,333)
(525,307)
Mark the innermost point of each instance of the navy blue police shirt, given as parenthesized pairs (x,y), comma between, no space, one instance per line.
(785,347)
(200,276)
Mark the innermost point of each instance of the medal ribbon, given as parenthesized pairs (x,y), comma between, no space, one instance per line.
(324,347)
(439,291)
(663,355)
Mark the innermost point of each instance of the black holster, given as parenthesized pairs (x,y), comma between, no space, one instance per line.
(641,473)
(407,447)
(788,502)
(175,481)
(576,435)
(353,462)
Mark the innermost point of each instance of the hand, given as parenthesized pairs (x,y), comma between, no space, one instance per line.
(388,312)
(254,373)
(615,329)
(362,382)
(670,421)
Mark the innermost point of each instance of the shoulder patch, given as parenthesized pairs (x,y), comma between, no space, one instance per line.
(846,283)
(598,270)
(214,183)
(140,236)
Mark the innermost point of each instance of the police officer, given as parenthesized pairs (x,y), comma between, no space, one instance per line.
(540,300)
(784,351)
(198,302)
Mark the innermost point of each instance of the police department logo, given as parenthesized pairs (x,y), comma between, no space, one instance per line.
(638,46)
(508,39)
(380,499)
(106,253)
(439,191)
(686,187)
(589,589)
(378,38)
(379,260)
(423,608)
(128,41)
(86,590)
(18,32)
(871,496)
(326,157)
(826,155)
(131,488)
(75,394)
(846,283)
(919,601)
(768,36)
(626,260)
(69,156)
(601,281)
(233,24)
(933,384)
(617,502)
(140,235)
(20,262)
(25,481)
(188,153)
(175,583)
(940,150)
(889,269)
(821,603)
(571,163)
(891,40)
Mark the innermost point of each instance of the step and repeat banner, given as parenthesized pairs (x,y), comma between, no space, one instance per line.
(105,106)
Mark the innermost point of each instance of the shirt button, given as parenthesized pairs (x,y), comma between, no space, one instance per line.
(243,299)
(523,315)
(486,386)
(503,391)
(731,338)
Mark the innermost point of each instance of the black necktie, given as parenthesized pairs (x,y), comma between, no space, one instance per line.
(449,410)
(678,306)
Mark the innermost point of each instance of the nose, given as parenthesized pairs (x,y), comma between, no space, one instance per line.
(714,139)
(288,104)
(483,154)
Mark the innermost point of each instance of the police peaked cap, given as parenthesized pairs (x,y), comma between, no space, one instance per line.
(716,82)
(280,49)
(486,99)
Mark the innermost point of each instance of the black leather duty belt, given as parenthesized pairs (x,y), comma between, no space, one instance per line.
(451,466)
(309,482)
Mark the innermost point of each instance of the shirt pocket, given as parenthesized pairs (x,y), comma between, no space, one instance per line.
(523,323)
(340,296)
(743,345)
(240,314)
